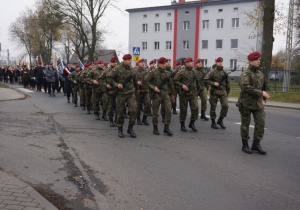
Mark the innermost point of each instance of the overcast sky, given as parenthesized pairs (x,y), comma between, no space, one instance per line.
(115,21)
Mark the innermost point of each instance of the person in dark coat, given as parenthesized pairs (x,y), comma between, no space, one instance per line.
(67,83)
(39,74)
(45,84)
(5,74)
(11,75)
(32,80)
(25,76)
(51,77)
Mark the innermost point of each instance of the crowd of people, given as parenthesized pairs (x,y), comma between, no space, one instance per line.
(120,92)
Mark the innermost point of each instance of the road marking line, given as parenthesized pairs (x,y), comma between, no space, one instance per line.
(251,126)
(298,137)
(25,90)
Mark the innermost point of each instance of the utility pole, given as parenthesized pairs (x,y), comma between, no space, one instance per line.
(288,49)
(8,57)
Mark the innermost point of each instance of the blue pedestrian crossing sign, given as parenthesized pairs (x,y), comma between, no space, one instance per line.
(136,50)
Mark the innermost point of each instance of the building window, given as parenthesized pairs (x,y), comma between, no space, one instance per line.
(233,63)
(157,26)
(235,9)
(144,44)
(205,24)
(235,22)
(186,25)
(219,44)
(204,62)
(234,43)
(204,44)
(169,14)
(145,16)
(145,27)
(156,15)
(156,45)
(145,60)
(220,23)
(169,26)
(220,10)
(155,61)
(168,45)
(206,11)
(185,45)
(187,12)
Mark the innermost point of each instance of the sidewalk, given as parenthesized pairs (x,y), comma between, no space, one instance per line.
(15,194)
(7,94)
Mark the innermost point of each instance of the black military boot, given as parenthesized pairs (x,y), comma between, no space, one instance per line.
(192,125)
(130,131)
(75,105)
(220,123)
(104,117)
(163,118)
(88,110)
(68,100)
(167,130)
(145,121)
(83,107)
(245,147)
(111,122)
(138,121)
(183,128)
(155,130)
(97,115)
(203,116)
(174,110)
(256,147)
(120,132)
(214,125)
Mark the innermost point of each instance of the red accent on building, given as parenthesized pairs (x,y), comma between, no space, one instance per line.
(175,37)
(197,34)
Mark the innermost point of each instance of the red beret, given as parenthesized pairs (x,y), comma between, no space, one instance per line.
(253,56)
(77,66)
(142,60)
(114,59)
(152,62)
(189,59)
(219,59)
(162,60)
(198,60)
(99,62)
(178,63)
(87,65)
(127,57)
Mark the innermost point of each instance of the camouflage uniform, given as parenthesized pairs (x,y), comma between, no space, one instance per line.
(155,78)
(217,93)
(111,99)
(88,89)
(127,94)
(74,76)
(81,89)
(143,97)
(203,87)
(251,101)
(185,97)
(162,111)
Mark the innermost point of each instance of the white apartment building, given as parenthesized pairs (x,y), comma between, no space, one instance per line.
(204,29)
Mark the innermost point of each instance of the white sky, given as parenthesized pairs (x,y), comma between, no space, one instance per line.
(117,23)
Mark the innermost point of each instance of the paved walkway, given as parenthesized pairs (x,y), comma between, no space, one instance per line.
(15,194)
(7,94)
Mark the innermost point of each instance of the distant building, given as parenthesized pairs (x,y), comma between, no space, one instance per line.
(204,29)
(104,55)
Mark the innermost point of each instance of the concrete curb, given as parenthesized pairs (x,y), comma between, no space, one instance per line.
(9,94)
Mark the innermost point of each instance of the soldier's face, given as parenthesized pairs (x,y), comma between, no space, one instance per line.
(100,65)
(199,64)
(127,62)
(168,64)
(189,64)
(255,63)
(141,64)
(220,63)
(113,64)
(162,65)
(151,65)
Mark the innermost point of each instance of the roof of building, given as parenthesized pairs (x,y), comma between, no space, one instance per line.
(104,55)
(188,4)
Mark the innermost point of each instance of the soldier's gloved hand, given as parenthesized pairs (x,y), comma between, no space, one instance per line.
(216,84)
(140,83)
(156,90)
(120,86)
(95,82)
(184,87)
(108,86)
(75,82)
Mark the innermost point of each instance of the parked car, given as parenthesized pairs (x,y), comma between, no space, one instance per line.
(274,77)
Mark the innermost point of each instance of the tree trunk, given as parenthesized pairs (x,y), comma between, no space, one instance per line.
(267,39)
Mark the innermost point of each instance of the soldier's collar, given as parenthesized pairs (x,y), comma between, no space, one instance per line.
(219,68)
(253,68)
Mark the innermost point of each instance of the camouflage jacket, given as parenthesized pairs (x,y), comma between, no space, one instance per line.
(215,75)
(118,75)
(106,74)
(183,77)
(142,73)
(200,73)
(252,84)
(95,74)
(74,76)
(155,78)
(83,78)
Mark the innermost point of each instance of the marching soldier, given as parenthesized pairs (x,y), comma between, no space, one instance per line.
(186,82)
(123,79)
(81,87)
(142,96)
(160,84)
(174,105)
(88,87)
(200,71)
(74,78)
(253,92)
(218,92)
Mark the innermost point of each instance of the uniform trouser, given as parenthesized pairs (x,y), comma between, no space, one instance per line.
(143,98)
(39,83)
(183,103)
(162,99)
(51,86)
(213,100)
(75,89)
(162,110)
(88,96)
(82,95)
(97,96)
(203,96)
(174,102)
(259,120)
(45,85)
(111,101)
(132,107)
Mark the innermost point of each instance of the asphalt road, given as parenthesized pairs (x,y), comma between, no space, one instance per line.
(45,141)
